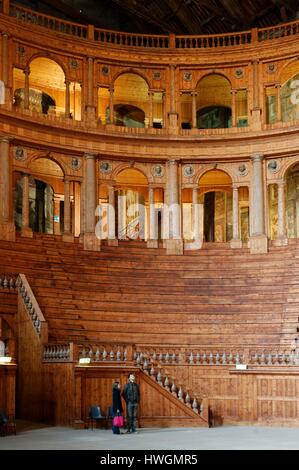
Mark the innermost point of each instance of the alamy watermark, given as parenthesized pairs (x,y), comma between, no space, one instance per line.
(163,222)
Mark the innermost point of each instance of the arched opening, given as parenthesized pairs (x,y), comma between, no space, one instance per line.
(213,102)
(131,207)
(292,201)
(290,99)
(282,102)
(215,193)
(48,91)
(46,197)
(131,101)
(41,196)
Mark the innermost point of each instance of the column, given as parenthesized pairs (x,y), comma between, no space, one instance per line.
(67,235)
(82,101)
(278,102)
(174,242)
(67,99)
(256,110)
(173,117)
(150,111)
(56,215)
(26,231)
(91,242)
(90,108)
(77,209)
(82,210)
(111,105)
(152,241)
(194,120)
(112,241)
(26,88)
(234,117)
(197,223)
(255,84)
(164,113)
(281,232)
(7,226)
(258,238)
(5,58)
(236,242)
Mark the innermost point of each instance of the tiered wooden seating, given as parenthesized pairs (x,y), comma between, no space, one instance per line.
(214,297)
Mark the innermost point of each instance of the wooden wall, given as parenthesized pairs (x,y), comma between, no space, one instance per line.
(8,388)
(58,394)
(268,395)
(29,384)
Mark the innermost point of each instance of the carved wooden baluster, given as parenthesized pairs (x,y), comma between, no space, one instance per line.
(195,406)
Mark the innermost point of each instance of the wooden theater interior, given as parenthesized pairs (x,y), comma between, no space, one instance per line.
(102,126)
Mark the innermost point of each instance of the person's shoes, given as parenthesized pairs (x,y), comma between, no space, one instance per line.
(128,431)
(134,430)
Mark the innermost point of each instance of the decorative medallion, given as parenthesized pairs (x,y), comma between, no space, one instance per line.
(105,167)
(188,171)
(271,68)
(187,76)
(20,154)
(239,73)
(105,70)
(242,170)
(74,64)
(158,170)
(75,163)
(157,75)
(273,166)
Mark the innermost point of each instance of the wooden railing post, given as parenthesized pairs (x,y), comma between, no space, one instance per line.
(254,35)
(90,32)
(172,41)
(130,352)
(5,7)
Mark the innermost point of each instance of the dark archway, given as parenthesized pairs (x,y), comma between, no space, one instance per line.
(128,115)
(41,207)
(214,117)
(38,100)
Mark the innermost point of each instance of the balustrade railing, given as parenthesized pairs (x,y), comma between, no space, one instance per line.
(181,356)
(117,38)
(280,31)
(213,40)
(58,352)
(38,321)
(165,380)
(8,281)
(46,21)
(104,352)
(149,41)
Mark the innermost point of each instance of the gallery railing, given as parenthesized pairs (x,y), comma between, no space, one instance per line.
(149,41)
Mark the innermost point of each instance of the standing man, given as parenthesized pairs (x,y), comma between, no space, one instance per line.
(131,395)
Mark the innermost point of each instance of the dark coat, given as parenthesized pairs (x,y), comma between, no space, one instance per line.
(116,400)
(131,393)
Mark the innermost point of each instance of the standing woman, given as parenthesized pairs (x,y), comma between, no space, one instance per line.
(117,407)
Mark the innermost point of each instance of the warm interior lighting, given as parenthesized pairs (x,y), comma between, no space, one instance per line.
(84,360)
(5,359)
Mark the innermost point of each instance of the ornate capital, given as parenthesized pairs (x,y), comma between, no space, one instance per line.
(90,155)
(257,157)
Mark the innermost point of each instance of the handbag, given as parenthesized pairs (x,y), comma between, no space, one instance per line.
(118,421)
